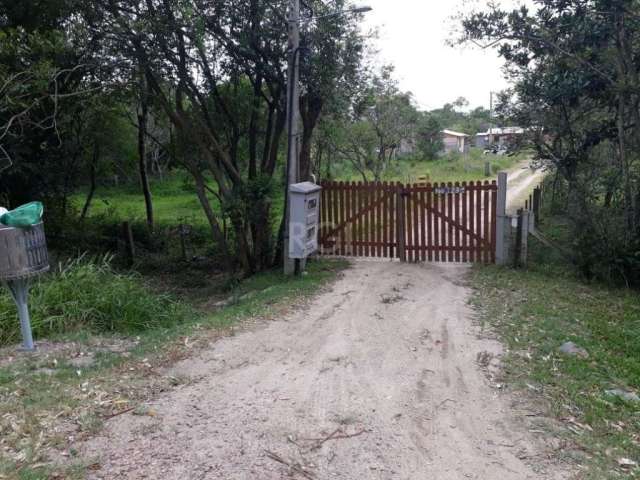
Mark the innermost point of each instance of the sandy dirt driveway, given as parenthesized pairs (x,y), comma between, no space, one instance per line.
(522,181)
(379,377)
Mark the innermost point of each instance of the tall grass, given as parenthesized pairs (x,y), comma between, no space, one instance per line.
(86,294)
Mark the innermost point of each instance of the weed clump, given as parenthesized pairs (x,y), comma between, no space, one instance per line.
(87,294)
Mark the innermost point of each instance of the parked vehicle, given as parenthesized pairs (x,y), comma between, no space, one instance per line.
(498,150)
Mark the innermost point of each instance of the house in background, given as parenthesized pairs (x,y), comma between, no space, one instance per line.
(455,141)
(501,136)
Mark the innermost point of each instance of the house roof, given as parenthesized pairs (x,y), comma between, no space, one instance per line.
(454,134)
(502,131)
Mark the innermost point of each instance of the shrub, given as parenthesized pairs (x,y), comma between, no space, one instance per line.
(88,295)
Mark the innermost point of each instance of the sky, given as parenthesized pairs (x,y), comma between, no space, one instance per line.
(413,35)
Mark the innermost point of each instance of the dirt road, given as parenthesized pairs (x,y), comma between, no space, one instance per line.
(378,378)
(521,183)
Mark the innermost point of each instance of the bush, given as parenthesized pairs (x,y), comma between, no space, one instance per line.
(600,245)
(88,295)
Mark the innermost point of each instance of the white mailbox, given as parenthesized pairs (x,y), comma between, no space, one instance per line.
(304,219)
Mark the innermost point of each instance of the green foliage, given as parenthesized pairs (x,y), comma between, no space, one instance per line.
(88,295)
(538,310)
(600,251)
(574,66)
(453,116)
(429,137)
(450,168)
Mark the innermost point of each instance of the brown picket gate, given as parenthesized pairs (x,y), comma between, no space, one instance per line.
(453,222)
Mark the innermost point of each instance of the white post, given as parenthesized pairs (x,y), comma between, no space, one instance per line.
(501,220)
(293,123)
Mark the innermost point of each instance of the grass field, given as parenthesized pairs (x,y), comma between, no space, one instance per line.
(454,168)
(537,310)
(175,200)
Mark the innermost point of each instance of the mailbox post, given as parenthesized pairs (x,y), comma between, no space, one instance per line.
(304,220)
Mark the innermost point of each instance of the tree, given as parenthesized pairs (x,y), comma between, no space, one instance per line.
(46,73)
(429,136)
(383,121)
(333,70)
(217,71)
(575,70)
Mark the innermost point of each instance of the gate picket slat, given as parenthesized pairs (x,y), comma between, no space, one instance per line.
(363,219)
(335,221)
(437,207)
(415,196)
(374,201)
(486,225)
(456,218)
(423,226)
(372,219)
(365,195)
(379,198)
(393,239)
(358,220)
(330,223)
(336,216)
(347,210)
(429,222)
(385,220)
(408,236)
(449,243)
(443,226)
(341,216)
(478,227)
(326,220)
(414,225)
(465,222)
(323,212)
(354,223)
(472,240)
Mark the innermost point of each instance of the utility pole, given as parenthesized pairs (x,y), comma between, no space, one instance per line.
(490,118)
(293,121)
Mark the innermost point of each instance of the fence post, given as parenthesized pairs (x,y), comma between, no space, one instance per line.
(400,220)
(518,243)
(183,241)
(130,249)
(487,169)
(524,248)
(501,219)
(537,196)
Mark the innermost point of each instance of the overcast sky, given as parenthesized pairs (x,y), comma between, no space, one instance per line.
(413,36)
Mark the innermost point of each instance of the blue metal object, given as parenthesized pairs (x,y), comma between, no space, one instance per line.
(20,292)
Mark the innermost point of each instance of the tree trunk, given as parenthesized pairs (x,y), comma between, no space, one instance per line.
(92,180)
(218,235)
(253,129)
(143,117)
(310,110)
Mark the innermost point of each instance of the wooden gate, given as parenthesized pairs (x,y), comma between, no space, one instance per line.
(420,222)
